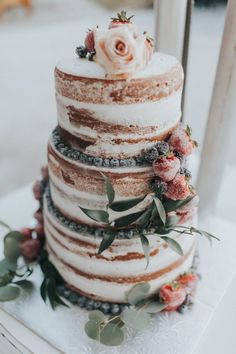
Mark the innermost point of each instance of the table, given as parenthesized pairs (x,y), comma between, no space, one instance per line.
(27,325)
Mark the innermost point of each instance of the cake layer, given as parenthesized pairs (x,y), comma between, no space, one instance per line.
(117,118)
(118,268)
(75,184)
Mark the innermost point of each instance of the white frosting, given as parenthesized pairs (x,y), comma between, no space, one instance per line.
(159,64)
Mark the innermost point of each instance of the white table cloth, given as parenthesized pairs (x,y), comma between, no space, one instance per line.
(29,324)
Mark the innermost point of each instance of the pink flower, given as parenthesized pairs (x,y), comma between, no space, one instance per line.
(166,167)
(178,188)
(30,249)
(173,294)
(181,141)
(121,51)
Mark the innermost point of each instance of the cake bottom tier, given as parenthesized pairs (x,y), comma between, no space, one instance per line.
(110,275)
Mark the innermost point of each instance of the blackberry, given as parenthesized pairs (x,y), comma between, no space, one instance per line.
(81,51)
(158,186)
(90,160)
(186,172)
(98,161)
(73,298)
(83,158)
(186,305)
(139,160)
(162,147)
(151,154)
(114,163)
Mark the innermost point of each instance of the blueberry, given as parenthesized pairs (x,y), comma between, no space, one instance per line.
(106,163)
(91,55)
(66,293)
(123,163)
(81,301)
(151,154)
(186,172)
(162,147)
(128,233)
(98,161)
(90,160)
(114,163)
(83,158)
(73,298)
(139,160)
(121,234)
(115,309)
(105,307)
(98,233)
(97,304)
(81,51)
(131,162)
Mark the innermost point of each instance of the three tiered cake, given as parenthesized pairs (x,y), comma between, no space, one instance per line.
(118,126)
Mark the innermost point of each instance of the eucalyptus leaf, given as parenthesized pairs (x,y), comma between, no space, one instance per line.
(7,266)
(25,284)
(171,221)
(172,205)
(138,293)
(97,316)
(15,235)
(154,307)
(92,330)
(173,244)
(111,335)
(144,219)
(109,189)
(128,219)
(97,215)
(135,319)
(204,233)
(12,249)
(146,247)
(8,293)
(108,238)
(160,208)
(3,224)
(124,205)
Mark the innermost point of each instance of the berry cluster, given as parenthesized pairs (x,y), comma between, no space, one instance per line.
(92,160)
(88,49)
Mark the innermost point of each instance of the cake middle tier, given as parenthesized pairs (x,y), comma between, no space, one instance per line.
(74,184)
(117,118)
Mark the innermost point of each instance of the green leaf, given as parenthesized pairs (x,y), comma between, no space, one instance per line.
(12,249)
(109,189)
(6,266)
(8,293)
(111,335)
(15,235)
(204,233)
(97,316)
(128,219)
(174,245)
(135,319)
(108,238)
(97,215)
(154,307)
(3,224)
(161,210)
(162,230)
(124,205)
(6,279)
(138,293)
(25,284)
(43,290)
(144,219)
(172,205)
(92,330)
(146,247)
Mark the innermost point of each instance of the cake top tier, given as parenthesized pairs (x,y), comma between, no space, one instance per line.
(121,49)
(160,64)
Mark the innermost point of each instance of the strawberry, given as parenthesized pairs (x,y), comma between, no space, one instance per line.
(182,142)
(26,232)
(44,172)
(166,167)
(178,188)
(121,19)
(37,190)
(38,215)
(30,249)
(89,41)
(173,294)
(186,215)
(188,281)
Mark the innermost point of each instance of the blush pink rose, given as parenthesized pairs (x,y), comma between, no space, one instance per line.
(121,52)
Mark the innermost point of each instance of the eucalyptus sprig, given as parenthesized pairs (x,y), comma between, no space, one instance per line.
(154,217)
(13,277)
(109,330)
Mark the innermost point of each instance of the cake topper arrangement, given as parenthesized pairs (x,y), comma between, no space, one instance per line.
(121,50)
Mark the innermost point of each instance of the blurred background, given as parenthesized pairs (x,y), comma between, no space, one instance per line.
(34,34)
